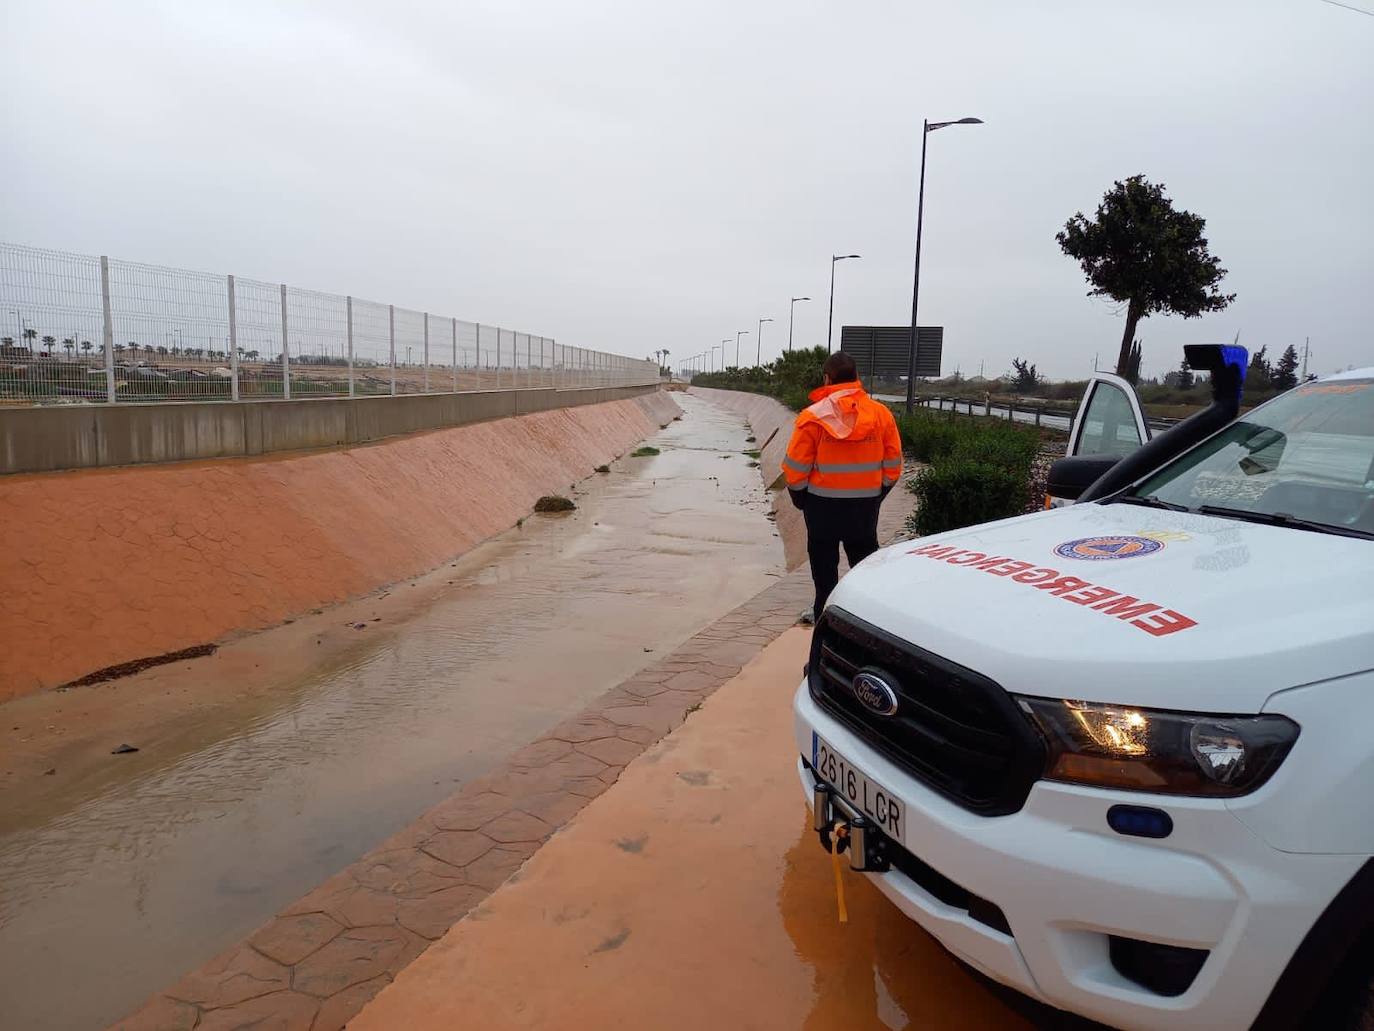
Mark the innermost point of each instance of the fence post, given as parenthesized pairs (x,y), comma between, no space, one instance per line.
(498,357)
(233,345)
(477,359)
(1038,412)
(391,317)
(426,352)
(455,355)
(285,351)
(348,305)
(107,328)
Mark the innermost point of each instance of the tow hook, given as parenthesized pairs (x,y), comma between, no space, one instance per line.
(861,839)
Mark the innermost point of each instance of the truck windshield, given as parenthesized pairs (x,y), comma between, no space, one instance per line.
(1305,459)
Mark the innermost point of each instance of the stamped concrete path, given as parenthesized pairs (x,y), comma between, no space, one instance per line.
(319,961)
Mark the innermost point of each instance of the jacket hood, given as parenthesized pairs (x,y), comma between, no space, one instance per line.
(839,409)
(1233,611)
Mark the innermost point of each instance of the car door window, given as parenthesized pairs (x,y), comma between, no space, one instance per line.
(1109,424)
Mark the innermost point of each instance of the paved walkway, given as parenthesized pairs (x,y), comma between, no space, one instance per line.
(320,960)
(692,894)
(315,965)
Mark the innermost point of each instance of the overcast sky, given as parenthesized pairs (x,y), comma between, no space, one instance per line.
(638,175)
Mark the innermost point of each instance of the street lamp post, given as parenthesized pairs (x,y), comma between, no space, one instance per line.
(741,333)
(830,326)
(723,345)
(758,356)
(791,315)
(927,127)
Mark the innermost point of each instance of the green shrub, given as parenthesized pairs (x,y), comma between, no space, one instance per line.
(929,437)
(959,492)
(1001,445)
(644,452)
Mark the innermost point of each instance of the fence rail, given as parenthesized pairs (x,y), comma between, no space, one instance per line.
(1059,418)
(84,329)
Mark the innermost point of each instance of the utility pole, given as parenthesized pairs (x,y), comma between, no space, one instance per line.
(1306,349)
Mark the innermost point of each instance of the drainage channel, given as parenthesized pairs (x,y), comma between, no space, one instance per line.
(151,863)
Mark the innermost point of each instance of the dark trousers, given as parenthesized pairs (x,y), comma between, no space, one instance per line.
(831,523)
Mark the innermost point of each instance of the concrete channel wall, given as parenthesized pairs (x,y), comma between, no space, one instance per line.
(769,418)
(84,436)
(112,566)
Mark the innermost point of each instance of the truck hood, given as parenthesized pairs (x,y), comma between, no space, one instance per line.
(1137,606)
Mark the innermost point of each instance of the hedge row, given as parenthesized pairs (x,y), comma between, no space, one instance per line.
(979,469)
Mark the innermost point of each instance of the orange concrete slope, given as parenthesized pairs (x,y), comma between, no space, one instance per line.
(104,566)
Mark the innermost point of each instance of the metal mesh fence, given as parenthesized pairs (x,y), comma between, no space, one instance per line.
(76,328)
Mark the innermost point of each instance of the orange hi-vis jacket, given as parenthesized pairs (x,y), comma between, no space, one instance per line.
(845,445)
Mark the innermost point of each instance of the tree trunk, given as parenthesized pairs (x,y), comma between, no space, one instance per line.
(1123,359)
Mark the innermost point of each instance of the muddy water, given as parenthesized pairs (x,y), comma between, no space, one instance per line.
(155,862)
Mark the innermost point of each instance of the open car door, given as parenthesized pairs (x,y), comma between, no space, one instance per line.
(1109,425)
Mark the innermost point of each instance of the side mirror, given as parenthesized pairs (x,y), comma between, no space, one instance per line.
(1069,477)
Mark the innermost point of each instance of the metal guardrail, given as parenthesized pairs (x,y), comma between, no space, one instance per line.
(76,328)
(1038,415)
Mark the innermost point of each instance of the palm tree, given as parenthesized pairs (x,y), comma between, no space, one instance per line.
(133,350)
(69,345)
(86,346)
(7,342)
(162,350)
(48,343)
(30,335)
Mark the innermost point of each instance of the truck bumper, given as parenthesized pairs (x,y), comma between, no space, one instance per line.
(1066,885)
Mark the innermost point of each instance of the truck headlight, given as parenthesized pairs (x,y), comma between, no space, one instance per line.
(1176,753)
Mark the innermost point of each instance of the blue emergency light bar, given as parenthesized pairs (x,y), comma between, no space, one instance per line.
(1225,362)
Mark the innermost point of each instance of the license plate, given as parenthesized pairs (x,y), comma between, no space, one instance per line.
(856,788)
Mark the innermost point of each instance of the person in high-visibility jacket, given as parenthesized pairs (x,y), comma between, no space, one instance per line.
(844,457)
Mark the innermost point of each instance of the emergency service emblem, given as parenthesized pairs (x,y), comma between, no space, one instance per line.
(1098,549)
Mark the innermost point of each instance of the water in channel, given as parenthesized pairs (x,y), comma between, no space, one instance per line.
(110,893)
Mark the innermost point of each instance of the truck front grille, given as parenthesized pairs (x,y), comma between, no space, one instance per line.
(953,728)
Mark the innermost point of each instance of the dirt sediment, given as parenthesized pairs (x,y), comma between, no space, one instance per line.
(117,565)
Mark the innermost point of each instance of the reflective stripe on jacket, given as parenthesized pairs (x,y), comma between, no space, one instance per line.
(845,445)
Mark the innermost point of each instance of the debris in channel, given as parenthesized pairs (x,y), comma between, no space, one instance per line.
(554,503)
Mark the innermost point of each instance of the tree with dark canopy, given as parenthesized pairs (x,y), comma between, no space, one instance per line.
(1143,252)
(1259,377)
(1186,379)
(1027,376)
(1284,375)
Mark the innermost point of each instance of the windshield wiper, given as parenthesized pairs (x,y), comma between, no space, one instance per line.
(1281,519)
(1148,501)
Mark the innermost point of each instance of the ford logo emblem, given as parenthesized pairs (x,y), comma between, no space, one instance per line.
(874,693)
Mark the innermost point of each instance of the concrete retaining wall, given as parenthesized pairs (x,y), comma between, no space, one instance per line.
(86,436)
(106,566)
(765,416)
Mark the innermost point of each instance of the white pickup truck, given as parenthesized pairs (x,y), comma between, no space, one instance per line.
(1119,755)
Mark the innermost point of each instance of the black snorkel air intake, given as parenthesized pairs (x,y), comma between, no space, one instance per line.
(1226,363)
